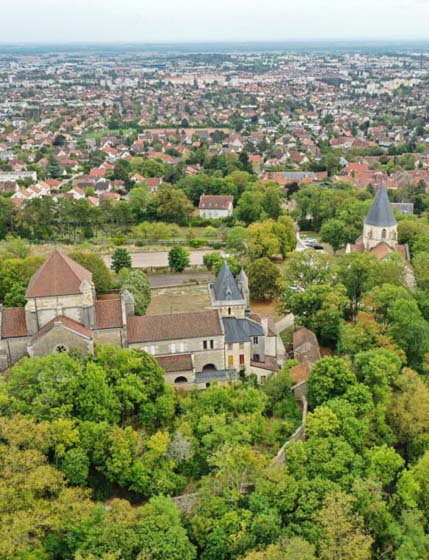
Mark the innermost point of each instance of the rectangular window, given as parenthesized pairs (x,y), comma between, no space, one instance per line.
(173,348)
(205,346)
(241,345)
(182,347)
(152,350)
(255,340)
(230,346)
(212,344)
(230,361)
(263,378)
(241,359)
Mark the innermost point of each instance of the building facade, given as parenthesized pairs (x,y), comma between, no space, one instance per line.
(194,349)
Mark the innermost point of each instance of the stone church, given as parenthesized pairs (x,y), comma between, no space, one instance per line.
(380,230)
(62,312)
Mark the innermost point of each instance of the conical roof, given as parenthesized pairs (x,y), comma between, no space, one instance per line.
(225,286)
(381,213)
(59,275)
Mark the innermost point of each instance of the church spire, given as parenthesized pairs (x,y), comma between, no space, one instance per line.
(381,213)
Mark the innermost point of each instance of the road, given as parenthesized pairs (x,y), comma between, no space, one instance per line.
(169,280)
(159,259)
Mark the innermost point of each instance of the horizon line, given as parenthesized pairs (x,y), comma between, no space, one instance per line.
(213,41)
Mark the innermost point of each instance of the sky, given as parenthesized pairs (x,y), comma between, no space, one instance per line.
(210,20)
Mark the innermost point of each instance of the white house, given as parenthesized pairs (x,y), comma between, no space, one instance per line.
(215,206)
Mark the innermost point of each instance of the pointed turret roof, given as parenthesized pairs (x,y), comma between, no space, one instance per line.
(242,276)
(59,275)
(381,213)
(225,286)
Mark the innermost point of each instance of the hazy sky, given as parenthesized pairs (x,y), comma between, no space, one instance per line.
(210,20)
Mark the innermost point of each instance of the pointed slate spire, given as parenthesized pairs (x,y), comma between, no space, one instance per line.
(225,286)
(381,213)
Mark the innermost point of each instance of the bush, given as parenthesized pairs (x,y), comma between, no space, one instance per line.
(136,282)
(121,259)
(197,243)
(178,258)
(119,240)
(101,275)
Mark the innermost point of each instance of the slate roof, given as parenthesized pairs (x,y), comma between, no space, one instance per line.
(406,208)
(381,213)
(178,326)
(225,287)
(59,275)
(240,330)
(108,314)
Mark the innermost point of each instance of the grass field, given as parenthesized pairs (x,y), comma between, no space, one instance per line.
(179,300)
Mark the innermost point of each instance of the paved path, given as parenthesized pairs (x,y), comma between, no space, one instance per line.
(284,323)
(159,259)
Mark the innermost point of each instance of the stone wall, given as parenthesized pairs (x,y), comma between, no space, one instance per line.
(48,343)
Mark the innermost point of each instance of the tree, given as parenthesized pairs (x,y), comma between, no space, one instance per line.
(236,240)
(421,270)
(249,207)
(75,466)
(320,308)
(137,283)
(178,258)
(263,278)
(214,262)
(272,201)
(294,548)
(408,412)
(270,238)
(101,275)
(121,258)
(330,377)
(138,200)
(6,211)
(378,369)
(410,330)
(307,268)
(343,534)
(334,232)
(357,272)
(173,205)
(161,534)
(15,275)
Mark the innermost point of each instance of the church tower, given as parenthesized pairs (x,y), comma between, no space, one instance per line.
(380,224)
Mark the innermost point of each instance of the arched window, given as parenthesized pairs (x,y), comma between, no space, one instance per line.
(61,348)
(209,367)
(229,311)
(383,234)
(180,379)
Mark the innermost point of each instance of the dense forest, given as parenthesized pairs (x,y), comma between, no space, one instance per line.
(100,458)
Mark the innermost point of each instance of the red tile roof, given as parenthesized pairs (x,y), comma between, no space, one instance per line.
(66,322)
(152,328)
(58,276)
(300,373)
(108,314)
(178,362)
(214,201)
(13,322)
